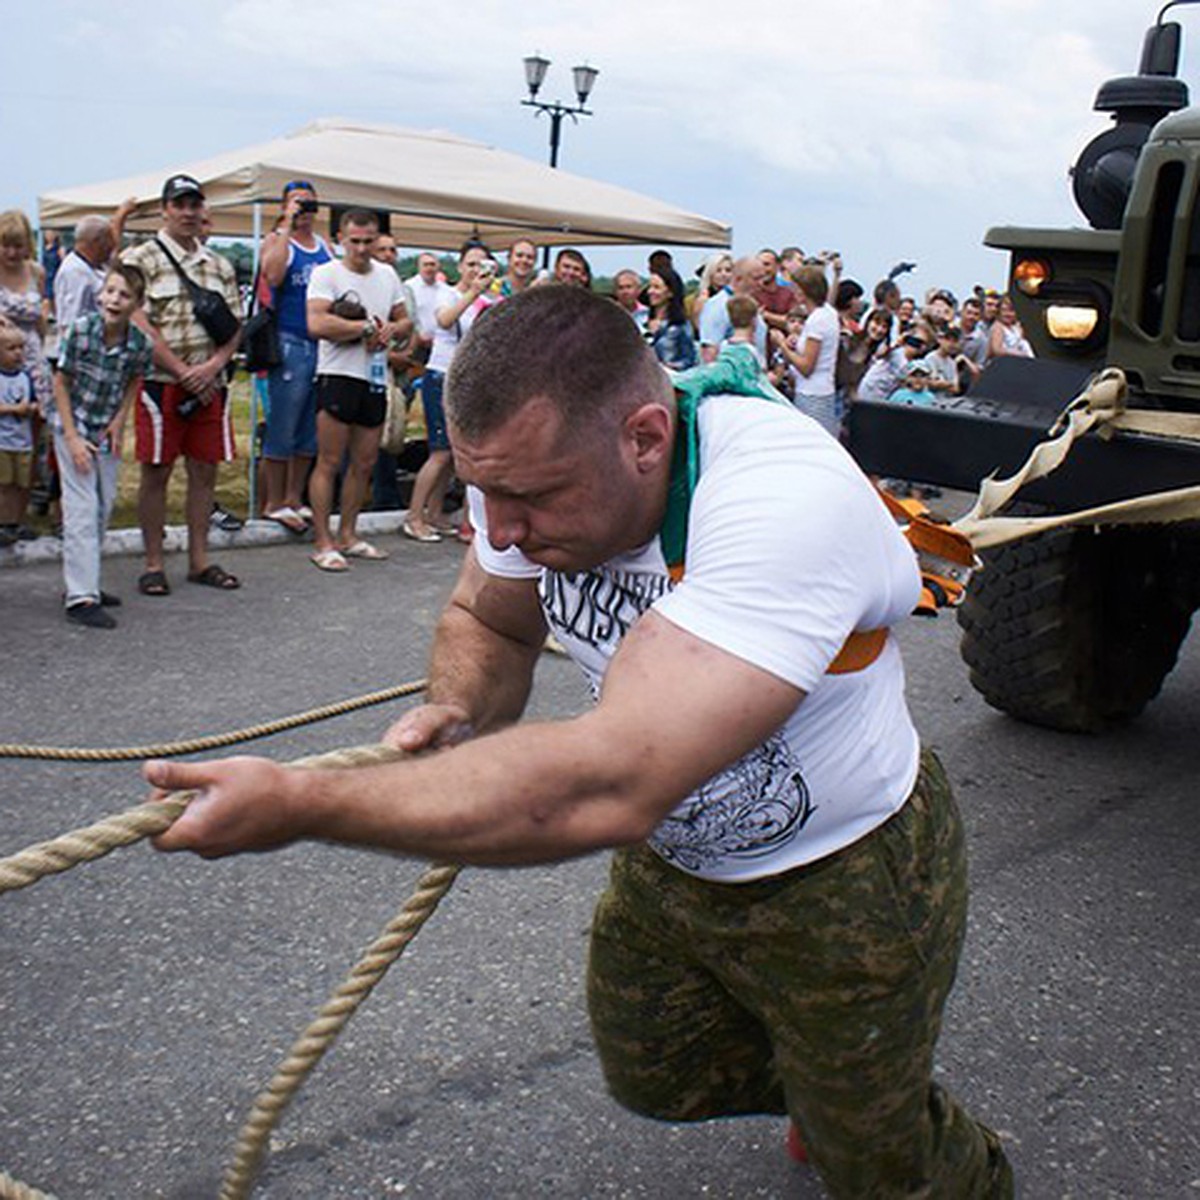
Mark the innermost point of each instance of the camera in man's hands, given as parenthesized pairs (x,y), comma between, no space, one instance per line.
(306,206)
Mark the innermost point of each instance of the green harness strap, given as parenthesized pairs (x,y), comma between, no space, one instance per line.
(735,372)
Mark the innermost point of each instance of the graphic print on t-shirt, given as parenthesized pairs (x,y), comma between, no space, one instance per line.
(597,607)
(748,810)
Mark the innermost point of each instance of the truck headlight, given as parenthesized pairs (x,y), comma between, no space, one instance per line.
(1072,322)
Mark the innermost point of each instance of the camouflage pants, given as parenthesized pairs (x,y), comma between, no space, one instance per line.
(818,993)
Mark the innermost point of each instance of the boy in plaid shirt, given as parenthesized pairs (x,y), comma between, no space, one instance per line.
(101,361)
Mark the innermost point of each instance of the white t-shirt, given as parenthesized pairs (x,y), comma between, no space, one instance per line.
(427,299)
(883,375)
(821,325)
(379,290)
(445,341)
(789,550)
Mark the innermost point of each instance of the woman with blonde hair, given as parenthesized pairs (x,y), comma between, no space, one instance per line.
(1007,339)
(21,290)
(714,277)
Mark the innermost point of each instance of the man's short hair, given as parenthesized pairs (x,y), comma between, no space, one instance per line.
(742,312)
(883,289)
(362,217)
(574,348)
(812,282)
(90,227)
(572,256)
(848,290)
(134,278)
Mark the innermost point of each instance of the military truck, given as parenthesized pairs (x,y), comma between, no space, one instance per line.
(1077,629)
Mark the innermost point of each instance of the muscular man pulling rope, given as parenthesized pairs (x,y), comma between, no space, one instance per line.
(786,910)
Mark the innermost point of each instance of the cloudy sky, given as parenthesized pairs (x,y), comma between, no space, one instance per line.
(886,129)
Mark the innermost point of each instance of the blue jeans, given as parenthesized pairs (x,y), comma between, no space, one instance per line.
(292,414)
(435,415)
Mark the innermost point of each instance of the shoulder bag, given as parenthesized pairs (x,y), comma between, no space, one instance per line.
(211,309)
(260,338)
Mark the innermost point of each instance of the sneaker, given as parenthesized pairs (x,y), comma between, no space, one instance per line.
(90,614)
(224,520)
(107,600)
(26,534)
(8,535)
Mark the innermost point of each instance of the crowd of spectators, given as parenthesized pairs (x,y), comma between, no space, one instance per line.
(357,344)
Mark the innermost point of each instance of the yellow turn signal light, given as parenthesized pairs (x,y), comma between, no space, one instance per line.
(1030,275)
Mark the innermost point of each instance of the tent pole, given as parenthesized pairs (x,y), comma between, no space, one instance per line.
(254,447)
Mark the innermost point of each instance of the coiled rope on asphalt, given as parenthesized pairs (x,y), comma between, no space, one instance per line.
(146,820)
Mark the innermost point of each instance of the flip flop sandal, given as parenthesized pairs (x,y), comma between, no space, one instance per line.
(362,549)
(411,531)
(153,583)
(329,560)
(289,518)
(215,577)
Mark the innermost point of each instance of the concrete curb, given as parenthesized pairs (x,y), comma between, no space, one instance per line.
(129,541)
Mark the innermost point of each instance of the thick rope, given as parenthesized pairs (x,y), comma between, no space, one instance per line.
(14,1189)
(83,845)
(212,741)
(146,820)
(95,841)
(312,1044)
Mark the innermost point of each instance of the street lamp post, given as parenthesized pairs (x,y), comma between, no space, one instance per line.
(585,79)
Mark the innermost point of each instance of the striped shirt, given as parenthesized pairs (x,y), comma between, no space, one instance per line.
(168,305)
(98,375)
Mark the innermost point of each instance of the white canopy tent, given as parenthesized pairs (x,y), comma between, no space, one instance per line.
(437,188)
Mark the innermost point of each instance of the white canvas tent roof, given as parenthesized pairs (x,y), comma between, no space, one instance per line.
(439,189)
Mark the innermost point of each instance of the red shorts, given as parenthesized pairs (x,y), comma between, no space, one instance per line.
(161,434)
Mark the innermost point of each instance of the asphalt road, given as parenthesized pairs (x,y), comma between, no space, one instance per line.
(144,999)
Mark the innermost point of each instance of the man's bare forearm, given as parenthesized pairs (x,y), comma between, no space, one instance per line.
(480,671)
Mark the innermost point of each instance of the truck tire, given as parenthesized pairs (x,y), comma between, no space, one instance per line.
(1076,630)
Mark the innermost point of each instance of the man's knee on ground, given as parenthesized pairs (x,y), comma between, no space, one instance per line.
(646,1102)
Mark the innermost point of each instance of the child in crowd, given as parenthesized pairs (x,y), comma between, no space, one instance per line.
(17,408)
(946,363)
(788,340)
(916,386)
(101,361)
(886,372)
(743,317)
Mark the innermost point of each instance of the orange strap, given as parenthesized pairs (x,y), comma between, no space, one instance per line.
(858,651)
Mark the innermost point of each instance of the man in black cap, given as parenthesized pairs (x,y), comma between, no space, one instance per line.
(184,406)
